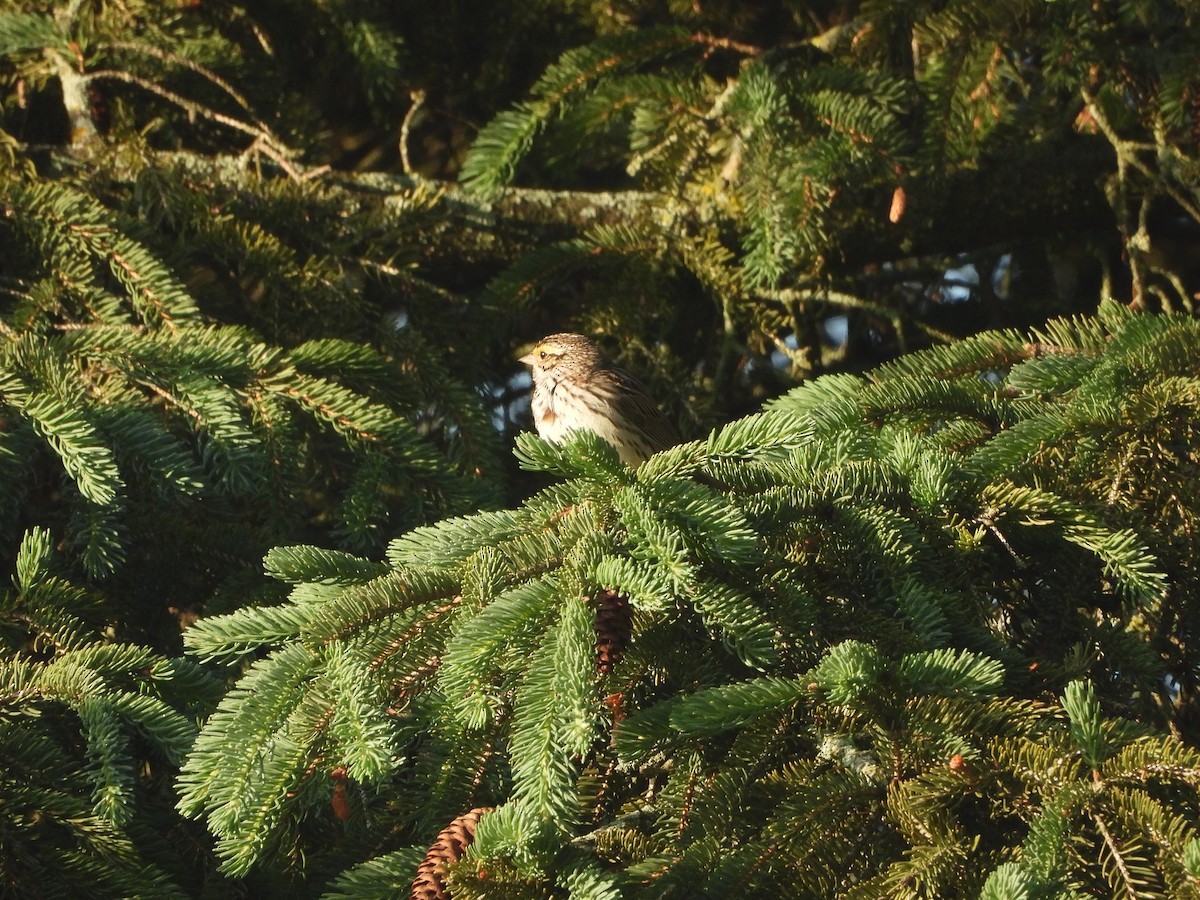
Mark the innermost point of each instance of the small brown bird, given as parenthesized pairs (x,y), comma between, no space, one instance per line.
(576,388)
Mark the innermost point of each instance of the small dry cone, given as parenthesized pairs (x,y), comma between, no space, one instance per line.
(339,803)
(449,847)
(963,768)
(899,204)
(614,618)
(616,707)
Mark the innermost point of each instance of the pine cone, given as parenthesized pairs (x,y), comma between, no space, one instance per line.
(449,848)
(614,618)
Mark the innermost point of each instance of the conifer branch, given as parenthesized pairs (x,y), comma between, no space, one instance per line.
(1128,154)
(192,66)
(262,137)
(1117,855)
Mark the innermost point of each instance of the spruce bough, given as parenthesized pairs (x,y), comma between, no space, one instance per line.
(932,632)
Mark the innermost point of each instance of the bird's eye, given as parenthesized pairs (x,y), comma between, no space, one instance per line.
(541,354)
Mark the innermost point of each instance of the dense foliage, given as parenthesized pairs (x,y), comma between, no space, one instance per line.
(872,633)
(915,619)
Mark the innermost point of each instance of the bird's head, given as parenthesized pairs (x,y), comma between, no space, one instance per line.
(557,354)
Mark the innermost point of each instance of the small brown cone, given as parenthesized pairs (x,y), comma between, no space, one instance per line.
(899,204)
(963,768)
(614,618)
(339,803)
(449,847)
(616,706)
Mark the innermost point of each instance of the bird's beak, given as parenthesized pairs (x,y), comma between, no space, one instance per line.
(527,358)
